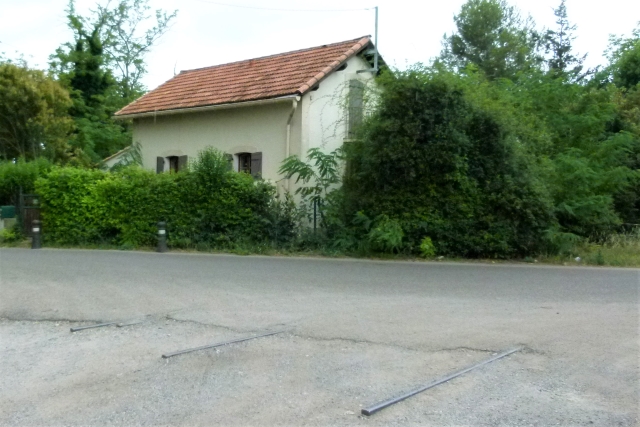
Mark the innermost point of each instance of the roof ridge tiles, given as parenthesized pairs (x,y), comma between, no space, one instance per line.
(275,55)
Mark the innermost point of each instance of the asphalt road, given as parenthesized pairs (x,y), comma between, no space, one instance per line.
(359,332)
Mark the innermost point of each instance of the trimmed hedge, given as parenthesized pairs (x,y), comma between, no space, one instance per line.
(21,174)
(209,205)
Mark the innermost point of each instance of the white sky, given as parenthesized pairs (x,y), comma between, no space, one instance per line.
(206,34)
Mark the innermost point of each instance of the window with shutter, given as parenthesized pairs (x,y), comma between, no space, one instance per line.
(244,162)
(256,165)
(183,162)
(356,101)
(173,163)
(159,164)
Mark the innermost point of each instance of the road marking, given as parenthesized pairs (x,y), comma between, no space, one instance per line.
(381,405)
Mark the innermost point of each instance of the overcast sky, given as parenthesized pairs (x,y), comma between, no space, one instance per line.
(206,32)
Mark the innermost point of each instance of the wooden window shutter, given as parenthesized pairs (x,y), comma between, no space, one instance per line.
(159,164)
(356,101)
(256,165)
(183,163)
(229,158)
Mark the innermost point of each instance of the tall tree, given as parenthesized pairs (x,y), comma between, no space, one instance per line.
(33,115)
(102,67)
(494,37)
(127,43)
(558,44)
(80,66)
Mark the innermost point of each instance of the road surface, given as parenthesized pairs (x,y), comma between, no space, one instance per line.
(359,332)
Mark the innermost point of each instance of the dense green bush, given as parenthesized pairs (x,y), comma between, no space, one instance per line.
(206,207)
(20,174)
(442,167)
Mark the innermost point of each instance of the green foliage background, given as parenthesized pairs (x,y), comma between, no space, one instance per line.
(504,146)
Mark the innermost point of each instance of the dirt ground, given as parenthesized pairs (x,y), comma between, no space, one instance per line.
(357,332)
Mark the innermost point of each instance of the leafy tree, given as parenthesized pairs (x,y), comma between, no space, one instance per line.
(624,57)
(624,72)
(492,36)
(558,43)
(126,43)
(586,146)
(80,66)
(322,172)
(102,68)
(34,119)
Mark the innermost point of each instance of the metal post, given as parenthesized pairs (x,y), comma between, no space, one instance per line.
(36,242)
(162,236)
(375,57)
(315,212)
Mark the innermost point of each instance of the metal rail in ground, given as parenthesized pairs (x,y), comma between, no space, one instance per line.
(220,344)
(379,406)
(97,325)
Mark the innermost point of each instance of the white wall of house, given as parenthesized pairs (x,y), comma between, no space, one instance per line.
(324,113)
(246,129)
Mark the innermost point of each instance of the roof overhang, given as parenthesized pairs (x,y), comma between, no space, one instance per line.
(368,55)
(226,106)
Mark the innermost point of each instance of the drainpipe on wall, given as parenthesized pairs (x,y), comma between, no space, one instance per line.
(294,106)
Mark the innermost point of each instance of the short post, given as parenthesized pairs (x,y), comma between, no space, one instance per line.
(315,214)
(162,236)
(36,242)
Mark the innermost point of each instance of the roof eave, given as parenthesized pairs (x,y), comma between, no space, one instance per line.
(229,105)
(355,50)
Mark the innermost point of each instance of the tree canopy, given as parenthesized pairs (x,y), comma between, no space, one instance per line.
(34,120)
(102,68)
(493,37)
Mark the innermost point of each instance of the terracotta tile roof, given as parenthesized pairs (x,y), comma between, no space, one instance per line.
(261,78)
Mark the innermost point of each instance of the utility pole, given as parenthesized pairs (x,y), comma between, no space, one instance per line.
(375,57)
(375,68)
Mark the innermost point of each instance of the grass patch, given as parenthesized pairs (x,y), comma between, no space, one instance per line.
(618,250)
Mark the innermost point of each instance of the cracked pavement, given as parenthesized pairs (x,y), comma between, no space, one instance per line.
(360,332)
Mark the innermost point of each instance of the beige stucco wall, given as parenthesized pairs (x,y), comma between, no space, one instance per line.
(243,129)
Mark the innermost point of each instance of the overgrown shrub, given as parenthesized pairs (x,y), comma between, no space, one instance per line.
(10,235)
(444,168)
(427,249)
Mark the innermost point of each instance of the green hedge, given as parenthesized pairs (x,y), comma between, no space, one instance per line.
(208,205)
(20,174)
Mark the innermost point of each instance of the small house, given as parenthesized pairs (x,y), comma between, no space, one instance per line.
(258,111)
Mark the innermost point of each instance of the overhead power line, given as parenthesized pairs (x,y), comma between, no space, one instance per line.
(283,9)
